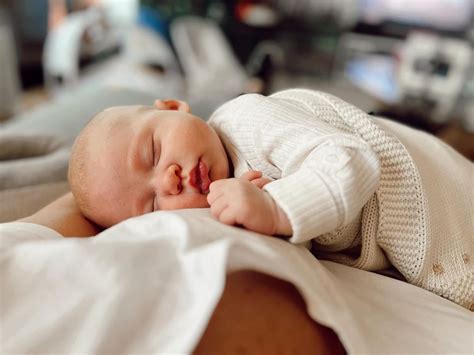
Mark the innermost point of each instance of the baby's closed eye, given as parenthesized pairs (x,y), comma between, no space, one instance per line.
(155,152)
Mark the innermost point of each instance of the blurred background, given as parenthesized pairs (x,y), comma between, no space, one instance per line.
(62,61)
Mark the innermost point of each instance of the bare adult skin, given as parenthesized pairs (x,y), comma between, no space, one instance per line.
(63,216)
(245,320)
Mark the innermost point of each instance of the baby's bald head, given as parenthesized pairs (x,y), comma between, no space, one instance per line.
(83,160)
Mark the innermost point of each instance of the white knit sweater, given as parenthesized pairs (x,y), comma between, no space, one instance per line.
(367,192)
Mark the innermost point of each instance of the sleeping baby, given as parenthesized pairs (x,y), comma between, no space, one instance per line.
(299,164)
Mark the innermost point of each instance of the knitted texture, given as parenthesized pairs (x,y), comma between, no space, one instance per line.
(380,203)
(448,185)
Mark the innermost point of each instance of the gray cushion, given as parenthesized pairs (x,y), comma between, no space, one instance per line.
(24,201)
(32,158)
(66,115)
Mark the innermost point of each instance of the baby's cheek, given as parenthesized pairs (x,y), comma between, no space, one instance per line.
(184,201)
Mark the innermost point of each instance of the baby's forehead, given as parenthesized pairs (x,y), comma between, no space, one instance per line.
(115,122)
(125,112)
(122,115)
(125,108)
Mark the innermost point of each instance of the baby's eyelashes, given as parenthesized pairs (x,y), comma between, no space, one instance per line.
(154,155)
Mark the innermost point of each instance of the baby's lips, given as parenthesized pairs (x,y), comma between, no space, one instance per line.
(205,180)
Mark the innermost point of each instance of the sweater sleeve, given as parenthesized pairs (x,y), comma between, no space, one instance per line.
(329,189)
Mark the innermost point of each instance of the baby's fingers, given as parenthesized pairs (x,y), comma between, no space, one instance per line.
(251,175)
(213,195)
(215,185)
(217,189)
(228,216)
(218,206)
(260,182)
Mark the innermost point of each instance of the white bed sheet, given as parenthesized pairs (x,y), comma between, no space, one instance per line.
(150,284)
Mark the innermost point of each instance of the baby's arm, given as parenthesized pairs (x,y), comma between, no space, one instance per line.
(323,174)
(241,201)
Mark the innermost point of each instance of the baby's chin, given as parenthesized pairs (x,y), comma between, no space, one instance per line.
(106,220)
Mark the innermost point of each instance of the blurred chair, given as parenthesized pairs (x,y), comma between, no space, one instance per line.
(144,46)
(208,62)
(9,78)
(145,63)
(64,46)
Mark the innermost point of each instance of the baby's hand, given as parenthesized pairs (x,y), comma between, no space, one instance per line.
(241,201)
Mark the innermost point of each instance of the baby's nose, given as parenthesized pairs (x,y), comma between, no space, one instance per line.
(172,180)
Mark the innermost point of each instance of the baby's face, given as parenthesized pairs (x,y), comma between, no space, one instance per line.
(149,160)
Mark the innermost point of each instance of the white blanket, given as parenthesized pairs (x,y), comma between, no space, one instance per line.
(150,284)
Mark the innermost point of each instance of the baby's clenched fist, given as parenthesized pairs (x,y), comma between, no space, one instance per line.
(241,201)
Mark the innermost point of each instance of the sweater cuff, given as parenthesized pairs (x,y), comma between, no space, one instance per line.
(308,203)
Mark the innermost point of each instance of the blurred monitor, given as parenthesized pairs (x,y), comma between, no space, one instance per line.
(398,17)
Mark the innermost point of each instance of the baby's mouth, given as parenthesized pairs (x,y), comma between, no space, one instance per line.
(199,177)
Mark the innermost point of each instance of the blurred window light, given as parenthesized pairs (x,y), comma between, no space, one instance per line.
(120,13)
(449,15)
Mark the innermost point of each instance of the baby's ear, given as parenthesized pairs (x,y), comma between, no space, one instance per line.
(175,105)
